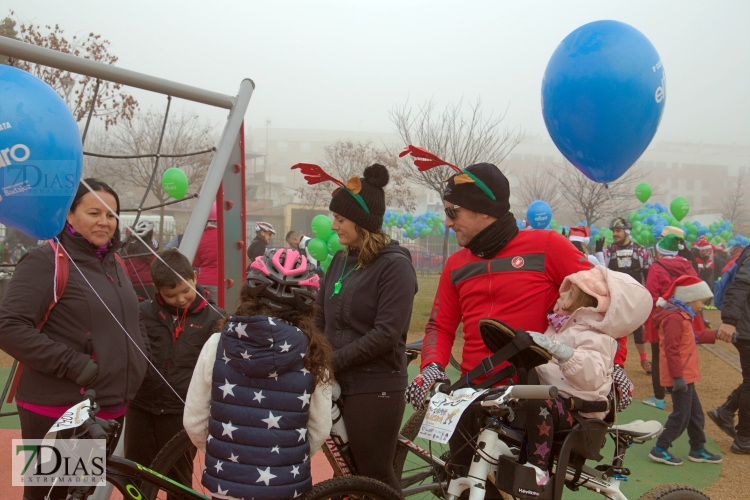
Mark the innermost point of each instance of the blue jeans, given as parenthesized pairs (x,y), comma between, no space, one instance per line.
(687,413)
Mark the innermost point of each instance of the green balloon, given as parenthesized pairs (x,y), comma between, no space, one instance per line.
(175,183)
(324,265)
(333,244)
(425,232)
(679,207)
(321,228)
(691,237)
(318,248)
(692,229)
(643,192)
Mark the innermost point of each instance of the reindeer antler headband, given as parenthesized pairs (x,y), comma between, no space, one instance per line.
(314,174)
(426,160)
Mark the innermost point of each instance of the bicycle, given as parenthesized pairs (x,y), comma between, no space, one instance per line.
(498,445)
(137,482)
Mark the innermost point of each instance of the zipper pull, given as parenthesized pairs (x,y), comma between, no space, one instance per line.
(110,277)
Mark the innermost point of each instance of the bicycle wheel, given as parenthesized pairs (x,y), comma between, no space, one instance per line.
(674,491)
(359,487)
(181,461)
(421,476)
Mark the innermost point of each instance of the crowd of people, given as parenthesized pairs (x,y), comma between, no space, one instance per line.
(254,388)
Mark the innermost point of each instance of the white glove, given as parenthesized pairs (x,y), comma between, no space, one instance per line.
(335,391)
(560,352)
(417,391)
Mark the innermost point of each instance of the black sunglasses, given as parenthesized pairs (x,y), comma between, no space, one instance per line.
(450,212)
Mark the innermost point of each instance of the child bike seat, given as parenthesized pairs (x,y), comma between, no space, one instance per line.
(638,430)
(497,335)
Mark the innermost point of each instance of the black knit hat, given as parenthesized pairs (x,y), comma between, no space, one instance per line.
(471,196)
(344,203)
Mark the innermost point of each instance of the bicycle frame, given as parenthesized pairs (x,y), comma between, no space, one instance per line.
(490,444)
(342,462)
(121,471)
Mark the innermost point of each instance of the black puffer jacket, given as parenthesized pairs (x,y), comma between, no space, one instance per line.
(78,328)
(367,321)
(174,356)
(736,310)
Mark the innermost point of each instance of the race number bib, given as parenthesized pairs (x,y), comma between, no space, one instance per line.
(444,412)
(74,417)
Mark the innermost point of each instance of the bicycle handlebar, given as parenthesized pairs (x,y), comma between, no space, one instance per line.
(533,391)
(518,391)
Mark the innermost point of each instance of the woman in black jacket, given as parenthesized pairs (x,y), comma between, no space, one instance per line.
(84,343)
(364,310)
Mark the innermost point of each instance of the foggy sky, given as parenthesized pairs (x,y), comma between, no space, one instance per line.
(343,65)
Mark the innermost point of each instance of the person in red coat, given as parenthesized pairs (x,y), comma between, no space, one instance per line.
(207,256)
(667,268)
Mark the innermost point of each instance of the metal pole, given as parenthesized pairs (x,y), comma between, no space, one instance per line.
(68,62)
(219,164)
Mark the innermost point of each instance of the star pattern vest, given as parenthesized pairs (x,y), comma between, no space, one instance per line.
(260,399)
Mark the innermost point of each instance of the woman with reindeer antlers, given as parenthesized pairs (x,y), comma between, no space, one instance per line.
(364,310)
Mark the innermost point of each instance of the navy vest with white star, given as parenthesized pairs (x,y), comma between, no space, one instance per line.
(260,400)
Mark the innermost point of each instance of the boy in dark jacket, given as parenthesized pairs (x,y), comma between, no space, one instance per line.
(178,322)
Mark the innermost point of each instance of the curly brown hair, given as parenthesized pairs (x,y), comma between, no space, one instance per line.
(370,245)
(319,357)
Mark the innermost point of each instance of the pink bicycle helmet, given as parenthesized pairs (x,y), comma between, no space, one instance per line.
(284,279)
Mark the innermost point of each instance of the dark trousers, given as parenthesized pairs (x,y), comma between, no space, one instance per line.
(372,424)
(35,426)
(687,413)
(147,433)
(638,335)
(659,391)
(739,400)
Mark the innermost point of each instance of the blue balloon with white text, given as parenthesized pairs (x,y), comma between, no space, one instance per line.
(539,214)
(603,95)
(41,156)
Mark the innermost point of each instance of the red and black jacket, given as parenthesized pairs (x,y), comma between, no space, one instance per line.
(518,286)
(176,338)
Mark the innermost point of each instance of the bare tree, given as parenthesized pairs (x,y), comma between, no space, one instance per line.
(735,204)
(461,135)
(593,201)
(184,133)
(112,103)
(345,159)
(539,184)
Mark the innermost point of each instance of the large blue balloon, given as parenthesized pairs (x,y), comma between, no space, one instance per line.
(40,155)
(603,95)
(539,214)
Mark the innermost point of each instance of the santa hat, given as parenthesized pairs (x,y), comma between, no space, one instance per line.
(686,289)
(702,243)
(580,233)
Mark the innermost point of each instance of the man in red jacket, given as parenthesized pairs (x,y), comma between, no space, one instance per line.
(667,268)
(500,272)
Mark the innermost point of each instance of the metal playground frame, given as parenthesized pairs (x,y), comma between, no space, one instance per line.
(225,179)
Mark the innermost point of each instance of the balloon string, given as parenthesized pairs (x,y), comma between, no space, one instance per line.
(611,201)
(156,161)
(124,330)
(149,247)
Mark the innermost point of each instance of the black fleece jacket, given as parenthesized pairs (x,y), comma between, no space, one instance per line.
(367,321)
(79,327)
(736,310)
(174,355)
